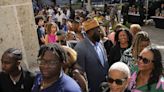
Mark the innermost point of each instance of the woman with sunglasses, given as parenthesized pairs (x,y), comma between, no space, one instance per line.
(149,76)
(130,55)
(118,77)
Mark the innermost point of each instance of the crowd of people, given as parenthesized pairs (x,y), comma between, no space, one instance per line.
(85,52)
(160,11)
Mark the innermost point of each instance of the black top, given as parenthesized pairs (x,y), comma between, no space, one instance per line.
(115,54)
(23,85)
(108,45)
(124,91)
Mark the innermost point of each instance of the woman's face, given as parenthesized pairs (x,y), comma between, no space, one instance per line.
(53,29)
(145,60)
(144,44)
(117,81)
(123,37)
(50,65)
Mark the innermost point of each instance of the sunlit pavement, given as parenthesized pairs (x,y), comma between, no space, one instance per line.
(157,37)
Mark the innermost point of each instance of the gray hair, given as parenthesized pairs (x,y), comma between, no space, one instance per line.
(136,26)
(16,53)
(120,66)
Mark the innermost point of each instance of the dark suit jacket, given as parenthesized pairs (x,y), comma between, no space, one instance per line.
(90,63)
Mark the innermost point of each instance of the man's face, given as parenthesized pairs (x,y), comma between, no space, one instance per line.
(9,64)
(96,34)
(50,66)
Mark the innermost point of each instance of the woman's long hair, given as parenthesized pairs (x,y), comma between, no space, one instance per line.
(129,36)
(136,45)
(158,68)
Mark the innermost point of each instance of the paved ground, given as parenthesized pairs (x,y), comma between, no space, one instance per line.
(157,37)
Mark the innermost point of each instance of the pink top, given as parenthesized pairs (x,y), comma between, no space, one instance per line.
(51,38)
(111,37)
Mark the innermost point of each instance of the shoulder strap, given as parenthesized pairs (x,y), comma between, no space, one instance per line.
(160,83)
(133,80)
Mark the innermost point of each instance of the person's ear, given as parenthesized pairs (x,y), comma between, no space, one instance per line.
(18,63)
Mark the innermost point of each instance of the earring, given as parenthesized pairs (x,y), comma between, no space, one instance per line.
(19,67)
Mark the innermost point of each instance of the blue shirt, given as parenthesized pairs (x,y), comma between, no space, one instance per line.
(40,33)
(63,84)
(99,51)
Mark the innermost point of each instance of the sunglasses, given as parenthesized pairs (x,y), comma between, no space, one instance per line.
(117,81)
(144,60)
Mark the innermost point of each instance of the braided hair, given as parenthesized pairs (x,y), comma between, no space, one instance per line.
(56,49)
(140,37)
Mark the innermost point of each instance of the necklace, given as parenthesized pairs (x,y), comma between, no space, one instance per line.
(45,85)
(16,79)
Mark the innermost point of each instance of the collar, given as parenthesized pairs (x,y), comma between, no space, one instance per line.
(61,73)
(17,78)
(96,44)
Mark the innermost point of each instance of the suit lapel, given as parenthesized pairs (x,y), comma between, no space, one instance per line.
(91,48)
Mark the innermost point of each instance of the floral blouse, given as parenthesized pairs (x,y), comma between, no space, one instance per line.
(128,59)
(156,87)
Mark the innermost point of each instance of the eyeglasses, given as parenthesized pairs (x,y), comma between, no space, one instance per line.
(144,60)
(43,62)
(117,81)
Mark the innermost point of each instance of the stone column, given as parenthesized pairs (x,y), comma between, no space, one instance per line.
(89,6)
(18,30)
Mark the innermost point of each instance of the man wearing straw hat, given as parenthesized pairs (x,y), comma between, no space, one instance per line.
(92,56)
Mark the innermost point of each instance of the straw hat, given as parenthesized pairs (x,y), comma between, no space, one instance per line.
(90,24)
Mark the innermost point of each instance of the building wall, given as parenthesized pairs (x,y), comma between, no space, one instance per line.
(18,30)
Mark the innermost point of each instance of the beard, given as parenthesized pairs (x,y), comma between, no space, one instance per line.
(96,37)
